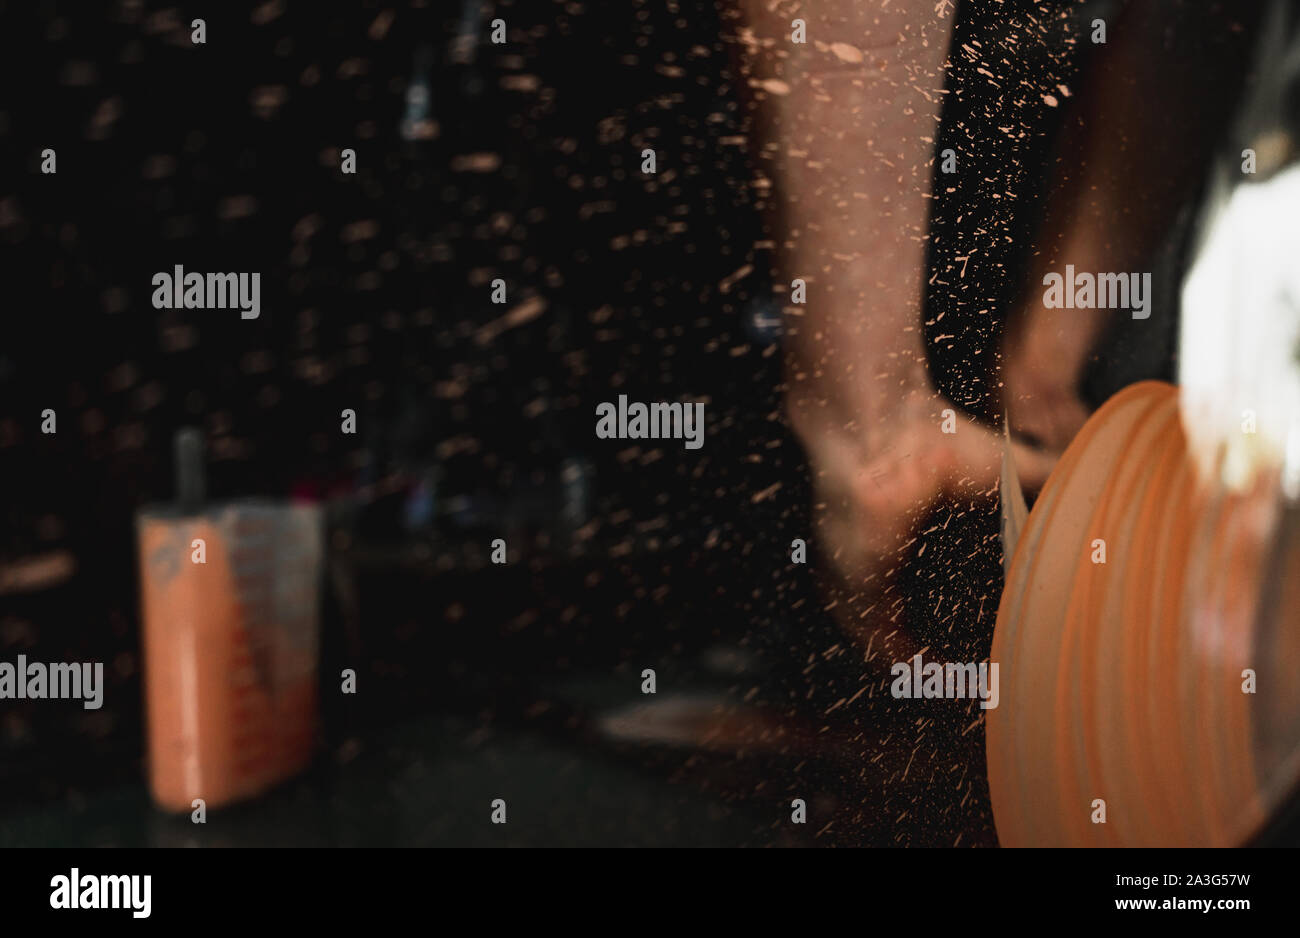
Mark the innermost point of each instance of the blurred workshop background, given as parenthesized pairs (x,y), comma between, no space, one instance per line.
(474,420)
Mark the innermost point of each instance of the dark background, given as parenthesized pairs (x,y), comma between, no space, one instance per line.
(475,680)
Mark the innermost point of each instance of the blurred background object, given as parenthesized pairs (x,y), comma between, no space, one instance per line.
(230,610)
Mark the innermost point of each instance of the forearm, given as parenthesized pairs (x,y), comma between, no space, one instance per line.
(848,121)
(1138,137)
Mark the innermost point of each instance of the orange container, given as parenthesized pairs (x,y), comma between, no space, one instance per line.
(230,599)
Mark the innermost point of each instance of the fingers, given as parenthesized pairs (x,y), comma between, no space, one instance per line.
(1033,464)
(977,465)
(1050,416)
(870,500)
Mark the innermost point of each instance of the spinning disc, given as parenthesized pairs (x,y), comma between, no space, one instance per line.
(1144,663)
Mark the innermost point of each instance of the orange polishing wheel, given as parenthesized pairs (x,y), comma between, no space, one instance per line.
(1148,640)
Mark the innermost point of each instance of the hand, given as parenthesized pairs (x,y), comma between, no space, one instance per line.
(875,483)
(1041,373)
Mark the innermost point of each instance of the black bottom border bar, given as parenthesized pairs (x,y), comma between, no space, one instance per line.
(334,887)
